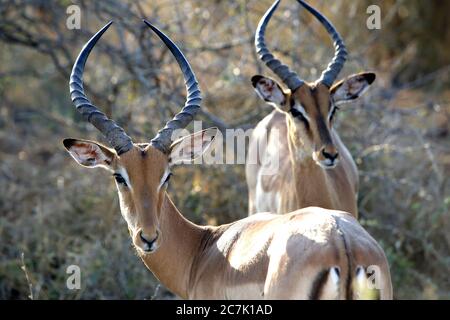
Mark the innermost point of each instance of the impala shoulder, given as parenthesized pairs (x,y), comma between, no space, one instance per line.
(278,120)
(273,119)
(231,232)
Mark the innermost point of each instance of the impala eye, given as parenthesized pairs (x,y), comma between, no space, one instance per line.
(333,111)
(167,178)
(120,179)
(299,115)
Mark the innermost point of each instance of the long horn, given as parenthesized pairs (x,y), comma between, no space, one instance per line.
(163,139)
(116,135)
(330,74)
(290,78)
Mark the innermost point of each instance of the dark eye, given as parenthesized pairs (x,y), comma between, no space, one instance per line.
(297,114)
(333,111)
(167,178)
(120,179)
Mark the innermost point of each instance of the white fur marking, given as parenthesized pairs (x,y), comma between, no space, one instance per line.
(334,274)
(333,109)
(360,276)
(302,110)
(164,177)
(125,176)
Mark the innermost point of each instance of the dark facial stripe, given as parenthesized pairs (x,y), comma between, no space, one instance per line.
(333,112)
(298,115)
(324,133)
(321,120)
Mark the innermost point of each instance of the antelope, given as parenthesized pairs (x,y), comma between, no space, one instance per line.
(315,167)
(311,253)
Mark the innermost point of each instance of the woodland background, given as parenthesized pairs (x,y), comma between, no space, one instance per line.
(54,213)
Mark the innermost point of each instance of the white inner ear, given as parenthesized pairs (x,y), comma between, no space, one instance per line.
(301,109)
(269,91)
(350,90)
(338,103)
(187,149)
(89,154)
(182,152)
(365,87)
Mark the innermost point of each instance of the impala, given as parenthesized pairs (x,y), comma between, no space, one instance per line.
(311,253)
(315,167)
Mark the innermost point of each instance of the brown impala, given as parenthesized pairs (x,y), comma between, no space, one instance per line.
(308,254)
(315,168)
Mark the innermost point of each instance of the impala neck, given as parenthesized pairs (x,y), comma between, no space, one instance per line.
(181,240)
(313,187)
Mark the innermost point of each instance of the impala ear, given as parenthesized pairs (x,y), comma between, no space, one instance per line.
(270,91)
(352,87)
(90,154)
(188,148)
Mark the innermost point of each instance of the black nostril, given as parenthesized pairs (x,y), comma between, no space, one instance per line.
(148,242)
(329,155)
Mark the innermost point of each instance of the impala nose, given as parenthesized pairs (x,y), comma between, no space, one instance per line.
(330,156)
(148,244)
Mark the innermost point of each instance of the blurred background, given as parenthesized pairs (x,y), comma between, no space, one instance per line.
(54,213)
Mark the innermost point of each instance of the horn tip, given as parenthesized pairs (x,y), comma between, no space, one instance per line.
(148,23)
(151,26)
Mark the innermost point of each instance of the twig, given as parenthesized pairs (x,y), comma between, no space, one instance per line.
(155,293)
(425,79)
(30,285)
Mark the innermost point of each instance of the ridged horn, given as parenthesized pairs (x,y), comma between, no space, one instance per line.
(330,74)
(290,78)
(115,135)
(163,139)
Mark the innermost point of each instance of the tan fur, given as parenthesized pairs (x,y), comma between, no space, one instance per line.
(301,182)
(262,256)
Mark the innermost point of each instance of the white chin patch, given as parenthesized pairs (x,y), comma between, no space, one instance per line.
(328,164)
(148,249)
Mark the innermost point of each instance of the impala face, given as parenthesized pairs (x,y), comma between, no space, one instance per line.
(311,107)
(141,171)
(311,111)
(141,175)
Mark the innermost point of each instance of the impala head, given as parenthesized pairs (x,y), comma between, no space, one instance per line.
(311,106)
(141,171)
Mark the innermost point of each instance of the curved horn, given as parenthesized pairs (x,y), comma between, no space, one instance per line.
(116,135)
(330,74)
(163,139)
(290,78)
